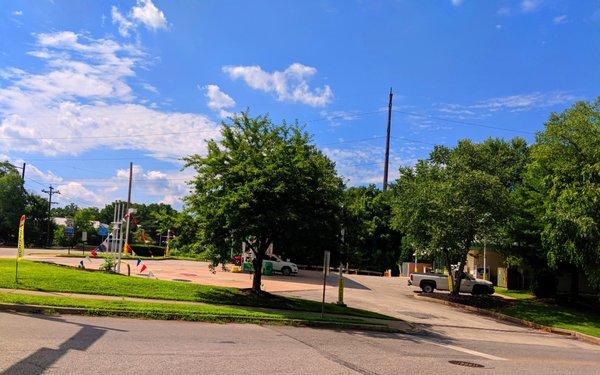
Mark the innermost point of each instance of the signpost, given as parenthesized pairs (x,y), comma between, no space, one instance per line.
(70,232)
(326,258)
(83,240)
(20,246)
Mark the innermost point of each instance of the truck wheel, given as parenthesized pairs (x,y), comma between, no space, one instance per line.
(427,288)
(286,271)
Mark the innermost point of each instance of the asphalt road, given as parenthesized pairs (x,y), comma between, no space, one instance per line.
(35,344)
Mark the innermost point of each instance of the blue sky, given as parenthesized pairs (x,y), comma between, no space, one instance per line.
(86,87)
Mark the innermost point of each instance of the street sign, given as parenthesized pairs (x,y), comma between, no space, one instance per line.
(84,236)
(103,231)
(70,231)
(326,258)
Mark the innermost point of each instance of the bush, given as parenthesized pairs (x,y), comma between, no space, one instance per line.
(108,265)
(148,250)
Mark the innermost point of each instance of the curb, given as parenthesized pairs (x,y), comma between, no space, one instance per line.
(526,323)
(52,310)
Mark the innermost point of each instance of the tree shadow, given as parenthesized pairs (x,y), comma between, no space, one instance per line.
(316,278)
(44,358)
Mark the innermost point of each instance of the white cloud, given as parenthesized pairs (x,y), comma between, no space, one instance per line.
(82,96)
(530,5)
(143,13)
(290,84)
(150,88)
(17,13)
(76,191)
(148,14)
(511,103)
(559,19)
(218,100)
(524,102)
(456,2)
(123,23)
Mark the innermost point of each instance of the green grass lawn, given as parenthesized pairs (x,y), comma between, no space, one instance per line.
(587,322)
(516,294)
(179,311)
(54,278)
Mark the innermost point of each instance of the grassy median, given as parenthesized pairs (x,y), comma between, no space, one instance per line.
(554,315)
(183,311)
(54,278)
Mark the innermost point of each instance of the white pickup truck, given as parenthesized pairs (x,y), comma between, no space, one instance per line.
(428,282)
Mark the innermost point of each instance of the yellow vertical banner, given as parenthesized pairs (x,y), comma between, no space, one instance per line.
(20,247)
(21,243)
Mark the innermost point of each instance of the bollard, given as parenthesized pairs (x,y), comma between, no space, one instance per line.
(340,301)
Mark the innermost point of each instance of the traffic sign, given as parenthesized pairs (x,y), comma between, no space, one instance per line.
(70,231)
(103,231)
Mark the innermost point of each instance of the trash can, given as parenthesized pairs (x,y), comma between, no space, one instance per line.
(268,268)
(247,267)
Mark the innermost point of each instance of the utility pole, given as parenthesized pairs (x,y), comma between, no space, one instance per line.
(387,143)
(51,191)
(23,177)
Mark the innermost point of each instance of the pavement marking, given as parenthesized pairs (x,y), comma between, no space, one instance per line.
(457,348)
(468,351)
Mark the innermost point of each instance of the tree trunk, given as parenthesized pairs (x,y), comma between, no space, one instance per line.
(257,278)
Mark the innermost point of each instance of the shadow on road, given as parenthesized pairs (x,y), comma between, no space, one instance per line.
(43,358)
(316,278)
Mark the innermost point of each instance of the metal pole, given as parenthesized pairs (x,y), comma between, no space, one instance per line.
(119,249)
(111,243)
(387,143)
(128,206)
(484,262)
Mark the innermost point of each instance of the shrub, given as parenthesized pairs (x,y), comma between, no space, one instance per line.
(108,265)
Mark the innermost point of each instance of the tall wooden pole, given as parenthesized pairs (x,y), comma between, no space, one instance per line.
(387,143)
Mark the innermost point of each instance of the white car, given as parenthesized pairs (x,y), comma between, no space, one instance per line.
(280,265)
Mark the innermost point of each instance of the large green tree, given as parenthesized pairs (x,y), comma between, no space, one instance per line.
(12,202)
(369,241)
(565,175)
(263,183)
(457,197)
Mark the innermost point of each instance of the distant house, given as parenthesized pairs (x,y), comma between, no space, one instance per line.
(63,221)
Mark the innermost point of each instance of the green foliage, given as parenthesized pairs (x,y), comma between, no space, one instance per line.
(108,265)
(457,197)
(12,202)
(565,175)
(60,237)
(260,184)
(369,241)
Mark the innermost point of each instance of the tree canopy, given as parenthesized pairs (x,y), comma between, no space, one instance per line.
(564,173)
(457,197)
(262,184)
